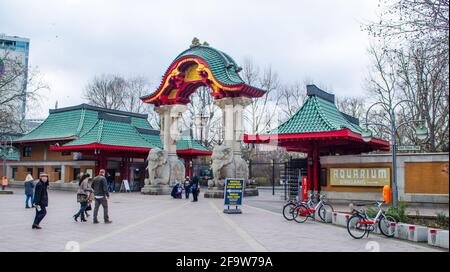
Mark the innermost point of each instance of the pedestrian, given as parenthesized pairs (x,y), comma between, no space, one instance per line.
(40,200)
(195,188)
(101,196)
(187,185)
(4,182)
(110,182)
(83,197)
(174,192)
(91,198)
(29,186)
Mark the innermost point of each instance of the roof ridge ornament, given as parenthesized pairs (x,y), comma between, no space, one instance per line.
(314,90)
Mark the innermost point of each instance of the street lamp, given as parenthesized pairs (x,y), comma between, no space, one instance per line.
(6,149)
(421,134)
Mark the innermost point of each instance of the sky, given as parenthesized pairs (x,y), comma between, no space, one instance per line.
(71,41)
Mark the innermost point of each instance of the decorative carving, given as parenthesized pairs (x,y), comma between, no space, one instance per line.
(162,169)
(226,165)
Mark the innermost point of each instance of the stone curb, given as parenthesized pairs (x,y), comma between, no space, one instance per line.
(413,233)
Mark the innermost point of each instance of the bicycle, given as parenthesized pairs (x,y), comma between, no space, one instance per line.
(307,209)
(288,210)
(360,224)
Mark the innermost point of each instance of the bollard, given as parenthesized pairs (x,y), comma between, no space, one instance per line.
(432,241)
(442,238)
(417,233)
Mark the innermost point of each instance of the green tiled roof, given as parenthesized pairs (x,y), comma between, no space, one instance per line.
(222,66)
(111,132)
(76,121)
(316,115)
(187,142)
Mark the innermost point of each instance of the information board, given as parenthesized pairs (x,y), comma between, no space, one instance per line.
(234,192)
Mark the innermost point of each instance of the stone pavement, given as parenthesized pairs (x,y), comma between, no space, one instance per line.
(159,223)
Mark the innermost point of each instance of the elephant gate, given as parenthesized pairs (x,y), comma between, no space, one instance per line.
(196,67)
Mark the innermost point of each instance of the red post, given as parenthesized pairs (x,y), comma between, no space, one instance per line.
(316,167)
(309,170)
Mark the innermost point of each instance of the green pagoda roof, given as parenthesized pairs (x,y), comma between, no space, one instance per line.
(318,114)
(73,122)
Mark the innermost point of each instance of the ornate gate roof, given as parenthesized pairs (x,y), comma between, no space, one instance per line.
(201,66)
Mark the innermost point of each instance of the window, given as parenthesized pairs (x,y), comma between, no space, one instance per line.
(323,177)
(58,170)
(26,151)
(30,171)
(76,173)
(14,171)
(66,153)
(40,170)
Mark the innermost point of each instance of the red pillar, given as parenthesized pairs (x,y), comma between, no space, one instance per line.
(316,167)
(309,171)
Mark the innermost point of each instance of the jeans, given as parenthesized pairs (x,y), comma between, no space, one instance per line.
(194,194)
(29,197)
(103,202)
(110,186)
(187,193)
(83,206)
(39,216)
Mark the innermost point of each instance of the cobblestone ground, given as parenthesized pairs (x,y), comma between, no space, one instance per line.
(159,223)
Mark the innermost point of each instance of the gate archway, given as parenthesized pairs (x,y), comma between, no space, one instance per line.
(203,66)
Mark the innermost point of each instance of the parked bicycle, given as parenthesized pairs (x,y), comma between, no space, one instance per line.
(301,211)
(360,224)
(308,210)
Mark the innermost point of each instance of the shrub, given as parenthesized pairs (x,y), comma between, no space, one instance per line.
(399,212)
(441,219)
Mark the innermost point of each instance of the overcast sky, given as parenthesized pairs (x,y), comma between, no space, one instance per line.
(71,41)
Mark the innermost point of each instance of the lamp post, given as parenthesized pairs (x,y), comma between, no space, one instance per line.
(6,149)
(421,134)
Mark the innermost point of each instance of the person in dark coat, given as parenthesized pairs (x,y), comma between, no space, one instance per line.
(187,187)
(195,188)
(29,186)
(101,196)
(40,200)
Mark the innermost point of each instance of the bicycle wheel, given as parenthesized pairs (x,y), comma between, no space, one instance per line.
(324,210)
(301,213)
(354,228)
(385,225)
(288,211)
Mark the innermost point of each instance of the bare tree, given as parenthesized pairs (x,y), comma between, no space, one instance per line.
(13,75)
(203,117)
(413,20)
(107,91)
(353,106)
(423,78)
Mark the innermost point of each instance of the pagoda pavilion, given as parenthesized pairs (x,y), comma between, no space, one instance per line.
(317,129)
(87,137)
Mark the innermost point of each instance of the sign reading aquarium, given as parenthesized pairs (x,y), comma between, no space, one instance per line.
(360,176)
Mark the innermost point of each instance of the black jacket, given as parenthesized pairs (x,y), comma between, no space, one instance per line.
(40,194)
(100,186)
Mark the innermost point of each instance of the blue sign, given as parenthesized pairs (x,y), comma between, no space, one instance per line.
(234,191)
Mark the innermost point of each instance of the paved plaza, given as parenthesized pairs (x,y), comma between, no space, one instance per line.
(159,223)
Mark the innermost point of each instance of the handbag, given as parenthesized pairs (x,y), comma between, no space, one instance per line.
(88,208)
(82,198)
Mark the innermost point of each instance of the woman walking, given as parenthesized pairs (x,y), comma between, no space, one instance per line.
(83,197)
(40,200)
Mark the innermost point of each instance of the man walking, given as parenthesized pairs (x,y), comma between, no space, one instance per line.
(101,193)
(40,200)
